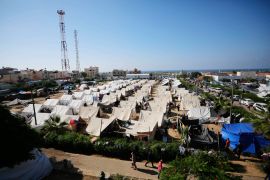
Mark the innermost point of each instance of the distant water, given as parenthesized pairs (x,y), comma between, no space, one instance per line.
(206,70)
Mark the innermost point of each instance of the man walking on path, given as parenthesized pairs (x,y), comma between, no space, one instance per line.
(160,167)
(149,158)
(133,160)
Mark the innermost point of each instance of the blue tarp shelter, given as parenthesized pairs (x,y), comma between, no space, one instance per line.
(245,134)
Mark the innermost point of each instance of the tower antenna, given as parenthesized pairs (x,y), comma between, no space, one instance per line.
(77,51)
(64,55)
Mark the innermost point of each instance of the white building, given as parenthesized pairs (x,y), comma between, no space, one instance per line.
(247,74)
(138,76)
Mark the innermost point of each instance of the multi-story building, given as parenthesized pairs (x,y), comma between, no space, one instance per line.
(119,73)
(247,74)
(92,71)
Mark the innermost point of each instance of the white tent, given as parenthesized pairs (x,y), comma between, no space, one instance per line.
(109,99)
(122,113)
(83,87)
(60,111)
(128,104)
(78,95)
(97,125)
(88,112)
(189,101)
(150,117)
(202,112)
(28,111)
(158,105)
(65,99)
(41,118)
(75,105)
(88,99)
(51,102)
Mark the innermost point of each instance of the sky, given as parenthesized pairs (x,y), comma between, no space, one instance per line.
(146,34)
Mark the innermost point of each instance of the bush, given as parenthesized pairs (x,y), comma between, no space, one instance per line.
(121,148)
(201,165)
(111,147)
(69,141)
(18,139)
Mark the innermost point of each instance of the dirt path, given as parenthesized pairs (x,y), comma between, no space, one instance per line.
(248,169)
(94,164)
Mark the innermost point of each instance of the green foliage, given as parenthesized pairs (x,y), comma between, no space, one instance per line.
(208,78)
(201,165)
(111,147)
(187,85)
(121,148)
(195,74)
(84,74)
(53,125)
(246,114)
(262,126)
(18,139)
(69,141)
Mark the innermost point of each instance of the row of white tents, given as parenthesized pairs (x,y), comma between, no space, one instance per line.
(190,103)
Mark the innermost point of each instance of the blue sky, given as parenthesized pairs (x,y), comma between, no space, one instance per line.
(147,34)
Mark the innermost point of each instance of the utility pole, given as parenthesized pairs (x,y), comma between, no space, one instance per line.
(33,101)
(231,103)
(77,51)
(64,60)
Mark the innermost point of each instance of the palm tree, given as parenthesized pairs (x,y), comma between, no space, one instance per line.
(184,135)
(53,124)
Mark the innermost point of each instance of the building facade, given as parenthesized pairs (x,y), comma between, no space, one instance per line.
(92,71)
(119,73)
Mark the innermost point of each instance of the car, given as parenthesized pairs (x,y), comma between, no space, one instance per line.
(247,102)
(260,107)
(236,97)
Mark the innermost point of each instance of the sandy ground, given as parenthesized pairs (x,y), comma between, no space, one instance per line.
(38,100)
(92,165)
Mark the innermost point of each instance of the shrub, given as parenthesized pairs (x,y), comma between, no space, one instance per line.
(111,147)
(201,165)
(18,139)
(69,141)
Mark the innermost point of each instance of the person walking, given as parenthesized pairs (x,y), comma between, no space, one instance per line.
(149,158)
(239,150)
(160,167)
(133,160)
(227,144)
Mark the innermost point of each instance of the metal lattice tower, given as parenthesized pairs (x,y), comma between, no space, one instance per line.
(64,55)
(77,51)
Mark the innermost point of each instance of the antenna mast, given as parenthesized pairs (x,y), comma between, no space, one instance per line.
(64,55)
(77,51)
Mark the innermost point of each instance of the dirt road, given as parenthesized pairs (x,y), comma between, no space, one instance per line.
(94,164)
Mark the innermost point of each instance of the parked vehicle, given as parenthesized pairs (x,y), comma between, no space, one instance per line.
(247,102)
(260,107)
(236,97)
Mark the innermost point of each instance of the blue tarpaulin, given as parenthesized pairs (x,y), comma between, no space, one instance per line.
(244,133)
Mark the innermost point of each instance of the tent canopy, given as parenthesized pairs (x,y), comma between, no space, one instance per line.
(244,133)
(97,125)
(121,113)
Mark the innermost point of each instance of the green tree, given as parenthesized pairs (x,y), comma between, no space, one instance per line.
(84,74)
(195,74)
(53,125)
(17,141)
